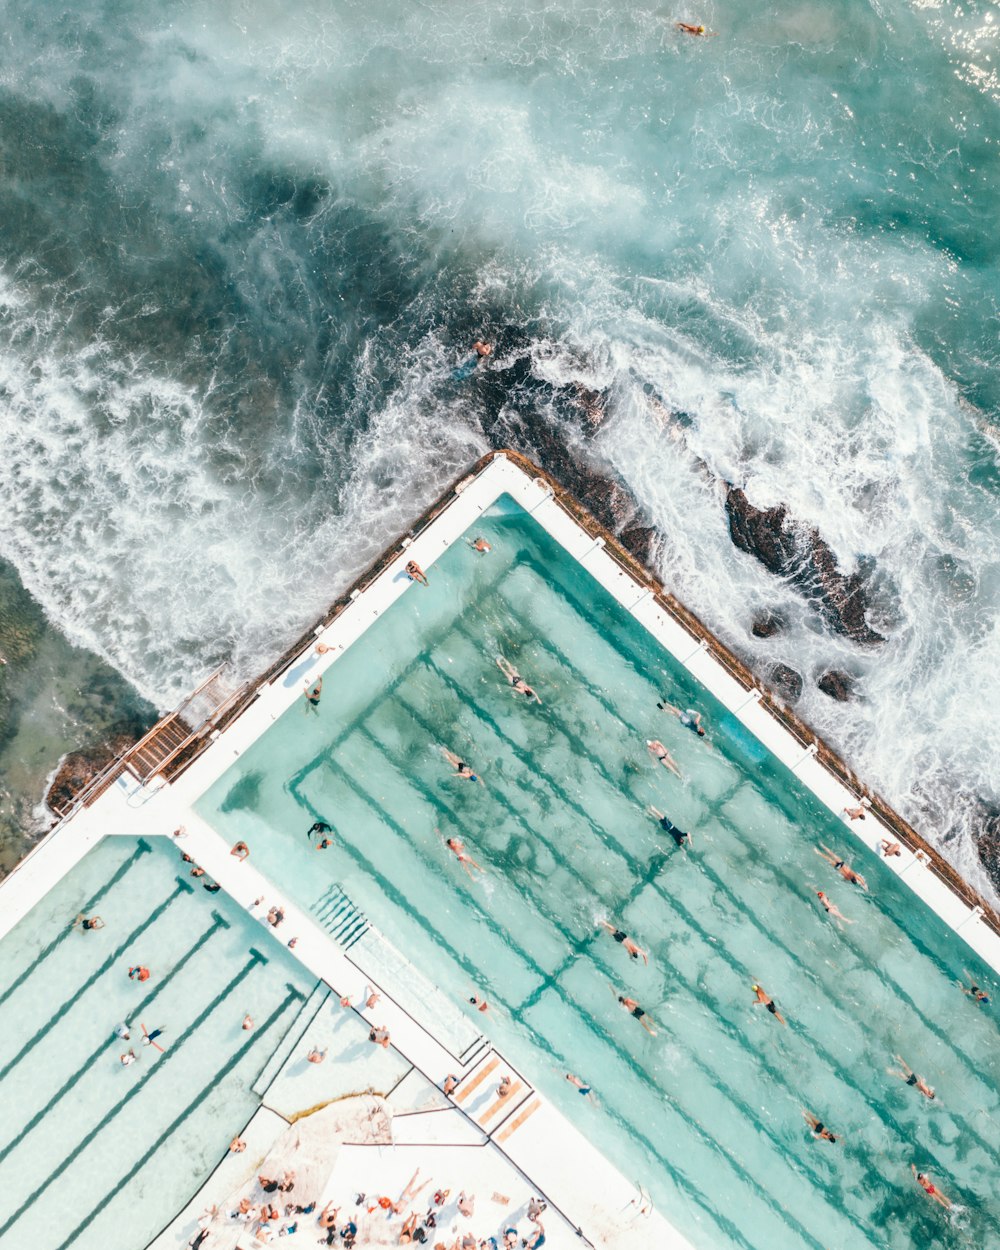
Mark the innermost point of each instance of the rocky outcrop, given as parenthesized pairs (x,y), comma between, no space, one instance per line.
(985,824)
(800,555)
(837,685)
(785,682)
(766,624)
(79,768)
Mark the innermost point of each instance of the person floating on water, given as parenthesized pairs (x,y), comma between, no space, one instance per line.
(818,1127)
(930,1190)
(624,940)
(690,719)
(680,836)
(833,910)
(468,863)
(416,574)
(662,756)
(87,923)
(149,1038)
(518,684)
(687,29)
(973,991)
(313,694)
(907,1074)
(765,1000)
(845,870)
(480,545)
(462,769)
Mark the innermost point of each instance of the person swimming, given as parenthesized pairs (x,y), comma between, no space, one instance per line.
(680,836)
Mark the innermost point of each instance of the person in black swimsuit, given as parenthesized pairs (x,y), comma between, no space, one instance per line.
(818,1127)
(313,694)
(633,1008)
(906,1073)
(320,826)
(681,837)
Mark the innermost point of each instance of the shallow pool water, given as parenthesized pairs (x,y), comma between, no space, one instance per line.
(708,1114)
(99,1156)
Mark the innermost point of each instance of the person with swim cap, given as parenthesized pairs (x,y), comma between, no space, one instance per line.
(765,1000)
(687,29)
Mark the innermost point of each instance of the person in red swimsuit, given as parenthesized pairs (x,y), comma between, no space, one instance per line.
(930,1190)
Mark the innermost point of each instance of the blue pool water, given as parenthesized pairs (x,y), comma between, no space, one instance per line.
(99,1156)
(709,1113)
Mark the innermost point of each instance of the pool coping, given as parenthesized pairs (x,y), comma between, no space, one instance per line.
(551,1148)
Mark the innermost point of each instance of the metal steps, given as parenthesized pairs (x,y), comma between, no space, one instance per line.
(338,915)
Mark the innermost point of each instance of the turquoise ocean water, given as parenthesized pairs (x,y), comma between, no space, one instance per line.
(246,245)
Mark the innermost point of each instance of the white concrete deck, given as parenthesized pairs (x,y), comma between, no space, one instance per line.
(562,1164)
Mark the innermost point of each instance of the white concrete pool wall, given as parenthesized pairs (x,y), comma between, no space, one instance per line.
(547,1148)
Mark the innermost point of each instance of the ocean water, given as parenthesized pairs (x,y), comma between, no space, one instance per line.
(245,247)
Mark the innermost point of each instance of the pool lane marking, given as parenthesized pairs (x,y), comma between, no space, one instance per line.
(142,849)
(255,958)
(691,1188)
(178,1120)
(219,923)
(717,1147)
(182,887)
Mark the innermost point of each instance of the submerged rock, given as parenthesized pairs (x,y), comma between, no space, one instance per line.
(799,554)
(785,682)
(767,623)
(837,684)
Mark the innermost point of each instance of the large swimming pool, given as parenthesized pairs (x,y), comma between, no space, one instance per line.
(708,1114)
(100,1156)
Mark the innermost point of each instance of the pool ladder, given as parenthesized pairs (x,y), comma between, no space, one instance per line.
(344,922)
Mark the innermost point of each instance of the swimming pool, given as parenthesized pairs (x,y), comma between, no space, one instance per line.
(99,1156)
(709,1113)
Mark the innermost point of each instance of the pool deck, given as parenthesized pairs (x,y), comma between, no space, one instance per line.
(526,1132)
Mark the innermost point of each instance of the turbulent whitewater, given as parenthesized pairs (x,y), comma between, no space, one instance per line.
(246,245)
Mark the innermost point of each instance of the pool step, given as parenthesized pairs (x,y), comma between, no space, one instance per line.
(511,1127)
(304,1017)
(339,916)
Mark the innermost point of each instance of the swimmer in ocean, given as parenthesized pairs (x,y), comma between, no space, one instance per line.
(626,942)
(680,836)
(686,28)
(462,769)
(765,1000)
(518,684)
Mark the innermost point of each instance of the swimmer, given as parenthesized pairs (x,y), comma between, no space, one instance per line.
(680,837)
(319,826)
(625,941)
(690,719)
(312,695)
(481,349)
(121,1030)
(197,871)
(468,863)
(462,769)
(687,29)
(579,1085)
(323,846)
(974,991)
(930,1190)
(910,1077)
(240,850)
(149,1037)
(633,1008)
(129,1057)
(818,1127)
(480,545)
(88,922)
(845,871)
(518,684)
(416,574)
(480,1004)
(660,753)
(889,849)
(831,909)
(765,1000)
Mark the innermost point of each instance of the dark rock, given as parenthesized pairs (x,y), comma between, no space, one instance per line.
(766,624)
(785,682)
(79,768)
(639,540)
(985,824)
(837,684)
(799,554)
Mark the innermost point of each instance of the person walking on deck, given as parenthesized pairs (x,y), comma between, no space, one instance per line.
(844,869)
(517,682)
(662,756)
(462,769)
(765,1000)
(680,836)
(625,941)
